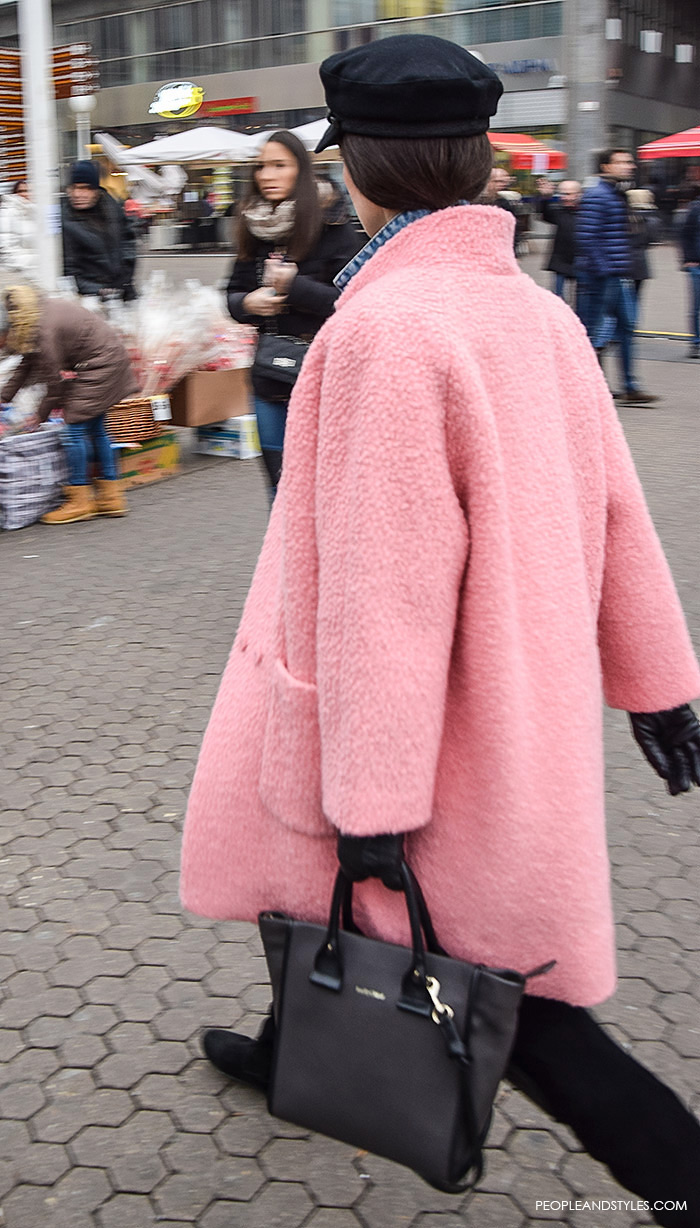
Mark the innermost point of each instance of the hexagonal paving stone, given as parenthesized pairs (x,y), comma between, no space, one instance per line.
(128,1211)
(42,1163)
(137,1173)
(284,1204)
(535,1149)
(331,1217)
(20,1101)
(199,1114)
(245,1133)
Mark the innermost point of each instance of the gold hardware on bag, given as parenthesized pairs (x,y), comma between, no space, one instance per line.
(432,985)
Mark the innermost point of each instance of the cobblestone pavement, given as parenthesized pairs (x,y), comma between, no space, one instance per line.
(114,635)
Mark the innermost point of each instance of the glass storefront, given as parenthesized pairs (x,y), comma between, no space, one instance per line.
(199,37)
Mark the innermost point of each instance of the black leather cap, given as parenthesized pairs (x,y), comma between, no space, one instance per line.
(412,85)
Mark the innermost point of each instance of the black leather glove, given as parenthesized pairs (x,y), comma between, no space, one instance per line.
(363,857)
(671,742)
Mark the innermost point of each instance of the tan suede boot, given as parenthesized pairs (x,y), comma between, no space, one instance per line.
(79,505)
(110,497)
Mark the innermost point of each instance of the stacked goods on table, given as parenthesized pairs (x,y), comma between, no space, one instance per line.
(169,335)
(237,437)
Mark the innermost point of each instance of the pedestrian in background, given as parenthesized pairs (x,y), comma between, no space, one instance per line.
(459,562)
(56,338)
(604,250)
(499,191)
(18,256)
(99,243)
(561,212)
(290,247)
(645,229)
(690,244)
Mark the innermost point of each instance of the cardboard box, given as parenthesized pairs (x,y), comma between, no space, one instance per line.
(203,397)
(150,461)
(237,438)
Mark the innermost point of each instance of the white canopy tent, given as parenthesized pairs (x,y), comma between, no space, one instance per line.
(206,146)
(309,134)
(148,185)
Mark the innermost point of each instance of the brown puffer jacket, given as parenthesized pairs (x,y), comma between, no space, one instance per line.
(56,336)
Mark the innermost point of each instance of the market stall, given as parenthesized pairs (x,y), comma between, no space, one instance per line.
(526,153)
(679,145)
(191,363)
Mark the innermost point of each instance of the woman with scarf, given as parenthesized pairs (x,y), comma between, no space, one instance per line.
(293,238)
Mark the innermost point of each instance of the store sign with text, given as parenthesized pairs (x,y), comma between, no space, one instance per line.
(229,106)
(177,100)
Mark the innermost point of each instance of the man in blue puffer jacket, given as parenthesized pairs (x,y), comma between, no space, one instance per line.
(607,301)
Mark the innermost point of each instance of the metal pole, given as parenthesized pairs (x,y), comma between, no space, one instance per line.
(36,44)
(82,125)
(586,71)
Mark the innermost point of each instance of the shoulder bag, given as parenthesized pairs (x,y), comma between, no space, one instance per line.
(278,358)
(398,1051)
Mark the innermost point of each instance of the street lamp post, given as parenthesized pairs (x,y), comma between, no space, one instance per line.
(36,44)
(82,105)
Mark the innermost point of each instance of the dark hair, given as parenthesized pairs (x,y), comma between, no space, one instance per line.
(308,217)
(16,186)
(425,173)
(607,155)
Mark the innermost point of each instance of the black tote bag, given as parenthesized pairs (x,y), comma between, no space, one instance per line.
(397,1051)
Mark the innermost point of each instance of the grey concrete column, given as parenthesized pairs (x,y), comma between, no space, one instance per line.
(586,71)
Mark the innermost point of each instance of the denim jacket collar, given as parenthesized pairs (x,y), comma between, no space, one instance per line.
(393,226)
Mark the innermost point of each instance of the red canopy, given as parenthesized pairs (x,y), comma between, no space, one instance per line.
(528,154)
(680,145)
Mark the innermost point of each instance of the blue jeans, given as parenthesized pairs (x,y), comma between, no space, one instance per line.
(559,285)
(694,275)
(272,419)
(589,302)
(616,322)
(86,441)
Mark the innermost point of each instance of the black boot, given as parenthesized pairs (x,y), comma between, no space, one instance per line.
(239,1056)
(272,460)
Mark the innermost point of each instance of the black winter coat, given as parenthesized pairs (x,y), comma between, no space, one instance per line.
(644,229)
(312,295)
(99,246)
(690,234)
(562,253)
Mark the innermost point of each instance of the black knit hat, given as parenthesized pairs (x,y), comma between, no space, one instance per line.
(413,85)
(85,172)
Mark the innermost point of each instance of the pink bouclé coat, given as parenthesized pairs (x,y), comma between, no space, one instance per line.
(459,568)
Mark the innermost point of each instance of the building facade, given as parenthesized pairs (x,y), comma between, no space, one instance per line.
(575,72)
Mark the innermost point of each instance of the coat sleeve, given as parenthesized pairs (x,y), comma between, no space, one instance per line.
(318,297)
(392,548)
(313,297)
(71,258)
(647,659)
(590,234)
(690,235)
(128,248)
(241,282)
(21,375)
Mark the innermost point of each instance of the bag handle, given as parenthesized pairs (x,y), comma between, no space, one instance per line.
(328,965)
(419,992)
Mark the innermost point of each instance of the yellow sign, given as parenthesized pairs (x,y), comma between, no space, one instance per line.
(177,100)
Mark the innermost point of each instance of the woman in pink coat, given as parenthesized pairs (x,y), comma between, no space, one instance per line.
(459,567)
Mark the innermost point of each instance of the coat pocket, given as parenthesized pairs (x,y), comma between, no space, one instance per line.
(290,773)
